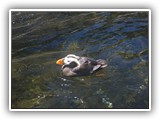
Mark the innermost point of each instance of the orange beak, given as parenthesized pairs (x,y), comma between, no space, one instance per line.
(60,61)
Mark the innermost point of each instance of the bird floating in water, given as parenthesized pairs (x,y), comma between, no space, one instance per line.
(73,65)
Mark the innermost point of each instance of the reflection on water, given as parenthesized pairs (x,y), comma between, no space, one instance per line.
(40,38)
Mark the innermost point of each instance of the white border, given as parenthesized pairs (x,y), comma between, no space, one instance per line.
(85,10)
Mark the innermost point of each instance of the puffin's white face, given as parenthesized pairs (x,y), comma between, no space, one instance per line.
(68,59)
(71,58)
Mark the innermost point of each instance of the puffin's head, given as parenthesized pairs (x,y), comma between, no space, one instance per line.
(68,59)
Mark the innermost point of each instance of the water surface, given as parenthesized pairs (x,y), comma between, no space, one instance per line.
(41,38)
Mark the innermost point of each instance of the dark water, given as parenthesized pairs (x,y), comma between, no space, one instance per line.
(41,38)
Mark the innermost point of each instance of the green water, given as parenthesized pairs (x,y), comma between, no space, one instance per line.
(41,38)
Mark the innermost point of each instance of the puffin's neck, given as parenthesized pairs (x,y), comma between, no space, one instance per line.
(77,62)
(74,63)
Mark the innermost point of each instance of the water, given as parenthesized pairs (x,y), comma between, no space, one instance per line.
(41,38)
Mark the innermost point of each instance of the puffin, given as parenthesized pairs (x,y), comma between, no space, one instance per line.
(73,65)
